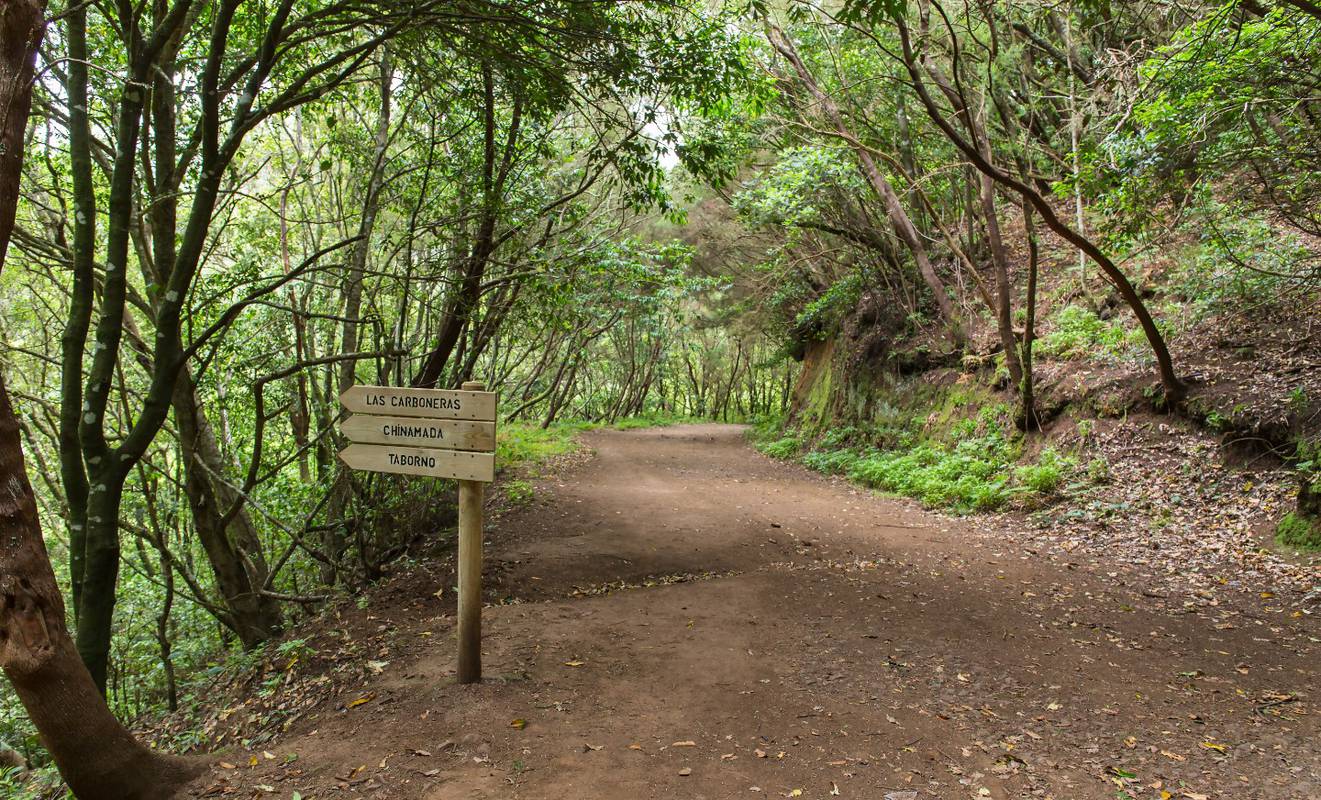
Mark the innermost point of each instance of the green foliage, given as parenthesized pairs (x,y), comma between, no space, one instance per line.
(785,447)
(653,419)
(831,462)
(1045,476)
(1300,532)
(973,475)
(518,491)
(1221,99)
(1240,261)
(1078,333)
(970,466)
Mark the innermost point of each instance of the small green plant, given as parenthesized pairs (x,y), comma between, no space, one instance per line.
(831,462)
(295,648)
(1079,333)
(1298,399)
(1046,475)
(1098,470)
(786,447)
(519,491)
(1086,427)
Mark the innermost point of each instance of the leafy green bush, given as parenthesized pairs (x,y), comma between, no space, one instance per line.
(831,462)
(972,475)
(1079,333)
(973,469)
(786,447)
(1046,475)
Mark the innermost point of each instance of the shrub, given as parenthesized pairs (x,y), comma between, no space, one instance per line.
(1046,475)
(831,462)
(972,476)
(786,447)
(1079,333)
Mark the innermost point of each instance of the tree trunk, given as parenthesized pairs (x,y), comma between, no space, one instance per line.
(232,546)
(370,206)
(1175,390)
(469,293)
(903,224)
(98,758)
(1028,419)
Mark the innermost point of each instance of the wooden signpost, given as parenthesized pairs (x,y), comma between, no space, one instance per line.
(439,433)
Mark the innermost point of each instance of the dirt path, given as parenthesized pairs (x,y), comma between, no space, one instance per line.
(682,617)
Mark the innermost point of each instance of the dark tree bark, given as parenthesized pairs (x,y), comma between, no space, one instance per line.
(1027,413)
(223,525)
(1175,390)
(98,758)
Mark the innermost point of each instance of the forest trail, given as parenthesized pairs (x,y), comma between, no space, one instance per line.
(696,620)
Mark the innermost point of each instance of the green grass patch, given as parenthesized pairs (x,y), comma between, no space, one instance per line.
(519,491)
(654,419)
(526,444)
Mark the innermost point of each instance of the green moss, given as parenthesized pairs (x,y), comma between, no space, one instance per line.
(1296,530)
(816,411)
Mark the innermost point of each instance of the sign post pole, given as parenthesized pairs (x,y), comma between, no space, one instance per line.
(470,572)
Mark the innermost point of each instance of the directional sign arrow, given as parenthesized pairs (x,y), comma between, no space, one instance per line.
(426,403)
(413,432)
(458,464)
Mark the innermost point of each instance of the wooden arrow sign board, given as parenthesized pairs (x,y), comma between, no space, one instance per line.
(414,432)
(438,433)
(424,403)
(456,464)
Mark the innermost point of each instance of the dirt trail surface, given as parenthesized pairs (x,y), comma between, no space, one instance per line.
(679,616)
